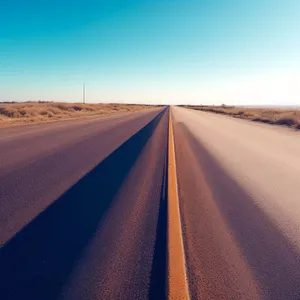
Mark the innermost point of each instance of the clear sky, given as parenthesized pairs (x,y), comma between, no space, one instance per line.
(159,51)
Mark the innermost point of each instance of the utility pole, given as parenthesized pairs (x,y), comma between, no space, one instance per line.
(83,94)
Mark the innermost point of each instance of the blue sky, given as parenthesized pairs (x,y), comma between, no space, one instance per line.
(174,51)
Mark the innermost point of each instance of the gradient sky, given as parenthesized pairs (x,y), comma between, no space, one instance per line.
(176,51)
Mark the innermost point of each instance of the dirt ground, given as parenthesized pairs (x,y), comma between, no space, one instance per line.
(41,112)
(275,116)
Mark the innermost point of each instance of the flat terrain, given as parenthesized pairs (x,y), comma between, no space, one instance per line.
(273,116)
(41,112)
(144,206)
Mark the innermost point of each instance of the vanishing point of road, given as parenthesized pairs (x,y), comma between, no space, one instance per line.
(165,203)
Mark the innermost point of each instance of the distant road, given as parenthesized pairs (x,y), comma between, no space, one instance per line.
(239,191)
(141,206)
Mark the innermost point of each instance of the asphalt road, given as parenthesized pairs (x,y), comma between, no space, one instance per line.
(81,205)
(40,162)
(141,206)
(239,193)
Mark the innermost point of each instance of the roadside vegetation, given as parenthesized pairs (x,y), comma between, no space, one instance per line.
(40,112)
(274,116)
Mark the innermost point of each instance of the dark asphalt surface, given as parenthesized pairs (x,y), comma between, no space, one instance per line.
(39,163)
(85,219)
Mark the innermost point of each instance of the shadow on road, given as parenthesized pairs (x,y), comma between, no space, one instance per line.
(37,261)
(158,278)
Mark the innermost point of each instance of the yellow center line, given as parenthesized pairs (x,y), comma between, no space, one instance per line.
(177,278)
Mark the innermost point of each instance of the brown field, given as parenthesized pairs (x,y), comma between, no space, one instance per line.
(274,116)
(41,112)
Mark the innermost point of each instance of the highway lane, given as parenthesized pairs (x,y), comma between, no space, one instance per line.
(39,163)
(239,188)
(126,258)
(105,237)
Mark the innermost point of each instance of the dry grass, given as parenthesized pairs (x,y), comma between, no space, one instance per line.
(276,116)
(35,112)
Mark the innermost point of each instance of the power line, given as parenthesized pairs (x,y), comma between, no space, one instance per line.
(83,94)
